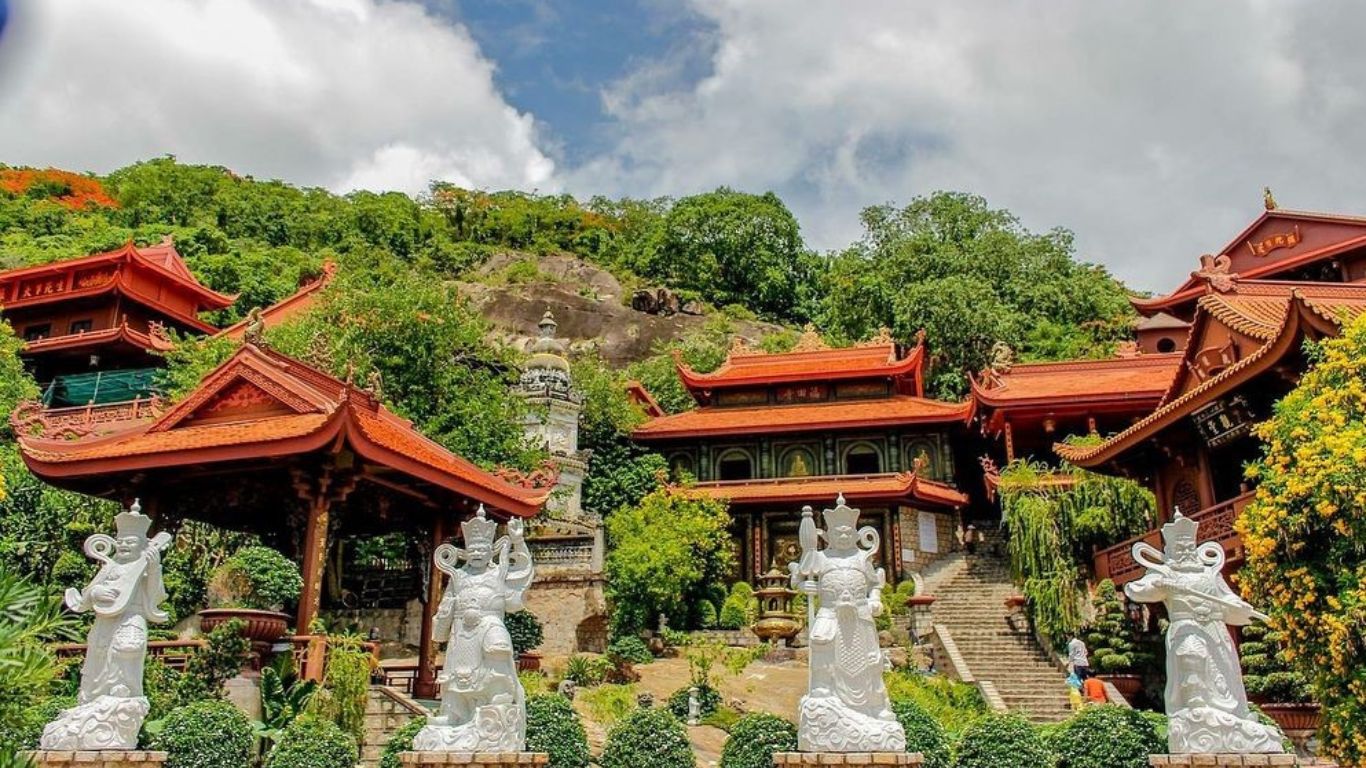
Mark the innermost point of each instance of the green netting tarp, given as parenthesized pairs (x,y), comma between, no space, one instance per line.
(101,387)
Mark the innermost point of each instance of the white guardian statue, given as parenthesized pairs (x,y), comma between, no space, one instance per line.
(483,706)
(1206,704)
(846,707)
(124,597)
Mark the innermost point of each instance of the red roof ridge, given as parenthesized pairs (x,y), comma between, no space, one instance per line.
(288,306)
(806,417)
(1153,359)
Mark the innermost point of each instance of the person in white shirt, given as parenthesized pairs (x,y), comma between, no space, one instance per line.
(1077,658)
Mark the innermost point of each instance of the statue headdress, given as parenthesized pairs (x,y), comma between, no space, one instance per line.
(842,514)
(132,522)
(479,529)
(1180,530)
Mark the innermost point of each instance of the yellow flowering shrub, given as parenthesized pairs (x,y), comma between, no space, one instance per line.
(1305,534)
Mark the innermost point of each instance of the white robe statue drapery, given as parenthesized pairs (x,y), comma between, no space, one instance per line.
(846,707)
(1206,703)
(124,595)
(483,705)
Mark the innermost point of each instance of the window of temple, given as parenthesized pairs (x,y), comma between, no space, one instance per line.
(735,464)
(82,326)
(681,464)
(1166,344)
(39,331)
(926,451)
(862,459)
(798,462)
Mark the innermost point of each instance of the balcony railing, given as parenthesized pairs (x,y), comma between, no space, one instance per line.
(1216,524)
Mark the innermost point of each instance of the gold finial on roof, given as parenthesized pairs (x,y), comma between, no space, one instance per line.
(1268,199)
(884,336)
(256,327)
(810,340)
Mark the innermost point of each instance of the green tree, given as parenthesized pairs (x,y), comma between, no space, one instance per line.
(970,276)
(620,472)
(1304,535)
(29,617)
(667,553)
(735,248)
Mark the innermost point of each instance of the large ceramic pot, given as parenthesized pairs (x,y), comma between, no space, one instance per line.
(1294,717)
(1129,686)
(261,626)
(528,661)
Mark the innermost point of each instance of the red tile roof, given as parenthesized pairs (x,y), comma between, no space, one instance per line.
(1194,286)
(1080,383)
(891,486)
(812,417)
(1275,312)
(746,368)
(262,404)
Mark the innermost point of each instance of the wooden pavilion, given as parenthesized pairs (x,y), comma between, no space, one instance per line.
(273,446)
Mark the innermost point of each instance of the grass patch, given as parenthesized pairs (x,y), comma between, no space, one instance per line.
(953,704)
(608,703)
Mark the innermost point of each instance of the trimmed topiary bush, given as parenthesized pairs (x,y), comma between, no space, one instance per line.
(553,727)
(258,578)
(402,741)
(1105,736)
(706,615)
(754,738)
(739,608)
(525,630)
(708,697)
(924,734)
(1003,741)
(648,738)
(312,742)
(205,734)
(630,649)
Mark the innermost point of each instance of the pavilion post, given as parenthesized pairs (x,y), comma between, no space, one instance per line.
(315,556)
(425,686)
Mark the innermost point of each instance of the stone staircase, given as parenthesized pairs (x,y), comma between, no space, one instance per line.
(970,594)
(386,711)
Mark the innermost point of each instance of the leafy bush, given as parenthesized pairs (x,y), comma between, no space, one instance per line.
(346,686)
(35,718)
(312,742)
(924,734)
(1002,741)
(953,704)
(553,727)
(706,614)
(1266,670)
(630,648)
(648,737)
(402,741)
(283,699)
(205,734)
(586,671)
(708,699)
(754,739)
(525,630)
(1105,736)
(206,671)
(607,704)
(739,609)
(1111,637)
(258,578)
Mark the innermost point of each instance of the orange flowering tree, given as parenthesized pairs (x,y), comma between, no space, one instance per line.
(1305,534)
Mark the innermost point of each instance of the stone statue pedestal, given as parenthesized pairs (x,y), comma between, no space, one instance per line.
(473,759)
(104,758)
(1228,760)
(846,759)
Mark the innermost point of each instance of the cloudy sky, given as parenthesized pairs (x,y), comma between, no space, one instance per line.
(1147,128)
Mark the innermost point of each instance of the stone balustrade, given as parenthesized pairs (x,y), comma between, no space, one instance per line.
(847,759)
(108,758)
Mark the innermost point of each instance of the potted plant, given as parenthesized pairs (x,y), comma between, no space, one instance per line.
(1112,643)
(1280,692)
(526,633)
(253,585)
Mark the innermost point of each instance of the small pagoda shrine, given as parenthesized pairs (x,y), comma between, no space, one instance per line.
(773,432)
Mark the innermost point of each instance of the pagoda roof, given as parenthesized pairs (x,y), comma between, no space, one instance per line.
(1078,385)
(1342,233)
(1276,313)
(293,305)
(162,261)
(261,404)
(1161,322)
(120,334)
(887,486)
(892,411)
(641,397)
(811,362)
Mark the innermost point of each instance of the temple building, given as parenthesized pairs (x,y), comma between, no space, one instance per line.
(92,326)
(774,432)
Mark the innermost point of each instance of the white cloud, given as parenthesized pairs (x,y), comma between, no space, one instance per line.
(339,93)
(1148,128)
